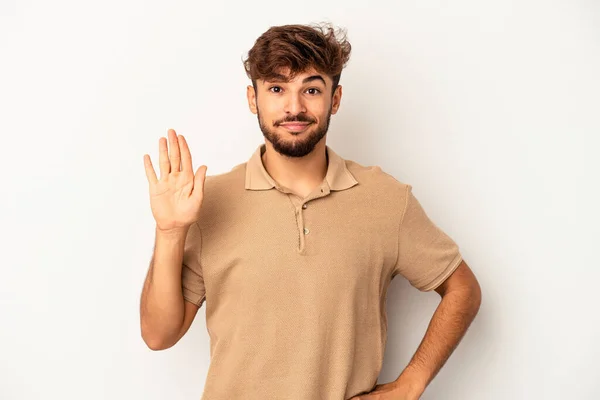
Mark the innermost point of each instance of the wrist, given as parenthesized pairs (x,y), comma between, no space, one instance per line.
(411,384)
(172,233)
(408,390)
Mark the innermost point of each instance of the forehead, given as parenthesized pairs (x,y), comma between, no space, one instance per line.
(284,73)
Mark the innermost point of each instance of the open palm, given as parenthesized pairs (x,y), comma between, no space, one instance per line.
(176,197)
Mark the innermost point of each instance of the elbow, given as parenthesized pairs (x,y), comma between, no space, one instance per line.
(468,298)
(156,345)
(475,298)
(477,294)
(155,342)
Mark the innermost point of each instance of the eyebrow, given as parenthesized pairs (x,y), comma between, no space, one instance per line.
(282,78)
(314,78)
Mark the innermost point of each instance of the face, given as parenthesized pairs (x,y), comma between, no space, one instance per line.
(294,116)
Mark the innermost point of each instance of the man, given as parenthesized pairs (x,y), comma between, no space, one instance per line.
(293,251)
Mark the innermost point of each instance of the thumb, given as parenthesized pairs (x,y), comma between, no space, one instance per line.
(199,179)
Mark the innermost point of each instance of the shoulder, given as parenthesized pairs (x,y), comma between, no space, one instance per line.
(221,183)
(378,191)
(375,178)
(222,195)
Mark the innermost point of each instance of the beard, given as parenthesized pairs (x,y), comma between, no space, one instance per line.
(295,147)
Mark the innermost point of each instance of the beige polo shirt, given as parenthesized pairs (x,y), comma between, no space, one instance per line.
(295,289)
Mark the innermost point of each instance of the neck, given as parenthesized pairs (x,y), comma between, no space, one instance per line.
(301,174)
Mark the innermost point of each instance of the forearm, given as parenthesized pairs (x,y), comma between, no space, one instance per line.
(447,327)
(162,304)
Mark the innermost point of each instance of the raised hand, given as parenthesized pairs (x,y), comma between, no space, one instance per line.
(175,198)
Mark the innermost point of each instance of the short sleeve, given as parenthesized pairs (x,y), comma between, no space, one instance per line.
(192,280)
(426,254)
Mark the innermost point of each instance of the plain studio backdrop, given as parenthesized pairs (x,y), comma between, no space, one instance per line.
(490,109)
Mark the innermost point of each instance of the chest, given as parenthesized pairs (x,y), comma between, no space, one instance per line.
(289,250)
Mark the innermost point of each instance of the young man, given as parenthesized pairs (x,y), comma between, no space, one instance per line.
(293,251)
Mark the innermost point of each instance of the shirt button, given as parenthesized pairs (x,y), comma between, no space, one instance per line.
(306,231)
(304,206)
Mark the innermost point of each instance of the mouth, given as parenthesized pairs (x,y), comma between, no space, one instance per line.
(295,127)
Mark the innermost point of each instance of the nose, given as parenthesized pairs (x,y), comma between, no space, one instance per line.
(294,104)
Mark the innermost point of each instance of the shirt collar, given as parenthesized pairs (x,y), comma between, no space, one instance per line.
(338,177)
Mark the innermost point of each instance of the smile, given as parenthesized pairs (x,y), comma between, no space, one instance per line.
(295,127)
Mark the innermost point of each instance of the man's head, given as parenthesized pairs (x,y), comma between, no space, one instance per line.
(295,72)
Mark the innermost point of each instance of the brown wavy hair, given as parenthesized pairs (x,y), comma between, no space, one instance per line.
(298,47)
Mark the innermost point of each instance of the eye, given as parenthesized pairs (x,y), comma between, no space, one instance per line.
(275,87)
(317,90)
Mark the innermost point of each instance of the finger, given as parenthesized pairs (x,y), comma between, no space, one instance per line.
(163,158)
(186,156)
(199,180)
(150,173)
(175,153)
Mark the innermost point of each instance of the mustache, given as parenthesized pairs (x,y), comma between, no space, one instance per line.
(297,118)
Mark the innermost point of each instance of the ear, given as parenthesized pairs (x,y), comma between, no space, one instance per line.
(251,95)
(336,99)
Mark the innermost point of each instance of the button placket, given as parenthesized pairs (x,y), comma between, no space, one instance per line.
(301,230)
(304,231)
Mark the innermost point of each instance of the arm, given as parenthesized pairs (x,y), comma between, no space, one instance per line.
(164,315)
(175,199)
(461,297)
